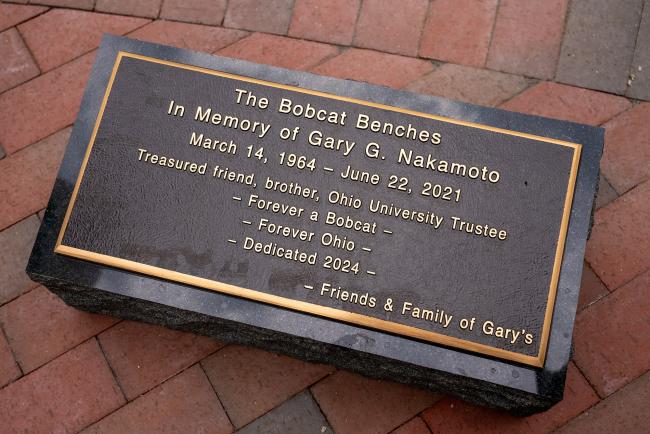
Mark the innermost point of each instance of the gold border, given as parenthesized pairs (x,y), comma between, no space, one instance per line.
(301,306)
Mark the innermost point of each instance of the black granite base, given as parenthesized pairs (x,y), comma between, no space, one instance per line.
(475,391)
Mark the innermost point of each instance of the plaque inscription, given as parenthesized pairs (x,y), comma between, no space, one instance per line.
(423,226)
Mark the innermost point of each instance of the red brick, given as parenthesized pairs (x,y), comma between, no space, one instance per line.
(279,51)
(250,382)
(606,192)
(395,28)
(297,415)
(623,412)
(144,355)
(195,11)
(10,15)
(26,178)
(458,31)
(16,64)
(626,158)
(44,105)
(527,36)
(270,16)
(464,83)
(138,8)
(75,4)
(61,35)
(619,249)
(453,416)
(414,426)
(16,244)
(332,22)
(358,405)
(184,404)
(40,327)
(65,395)
(190,36)
(568,103)
(592,288)
(9,370)
(611,337)
(374,67)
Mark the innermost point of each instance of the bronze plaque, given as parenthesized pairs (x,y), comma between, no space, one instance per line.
(428,227)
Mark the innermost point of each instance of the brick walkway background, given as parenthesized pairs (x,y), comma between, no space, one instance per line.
(62,370)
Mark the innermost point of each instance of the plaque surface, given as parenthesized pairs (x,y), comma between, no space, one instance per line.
(398,235)
(442,230)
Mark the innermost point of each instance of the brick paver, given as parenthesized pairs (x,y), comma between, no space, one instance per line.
(271,16)
(454,416)
(384,27)
(138,8)
(42,106)
(77,4)
(9,370)
(144,355)
(473,85)
(16,245)
(374,67)
(40,327)
(144,378)
(298,415)
(599,44)
(358,405)
(26,179)
(65,395)
(626,159)
(592,288)
(527,37)
(606,192)
(16,63)
(60,35)
(568,103)
(185,403)
(413,426)
(10,14)
(195,11)
(459,37)
(618,249)
(625,412)
(611,345)
(279,51)
(251,382)
(332,22)
(190,36)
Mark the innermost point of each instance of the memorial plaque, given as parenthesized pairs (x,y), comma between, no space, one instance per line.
(414,232)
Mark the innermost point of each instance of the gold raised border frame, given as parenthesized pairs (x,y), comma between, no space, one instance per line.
(302,306)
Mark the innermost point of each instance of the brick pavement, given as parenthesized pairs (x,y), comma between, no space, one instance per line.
(62,370)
